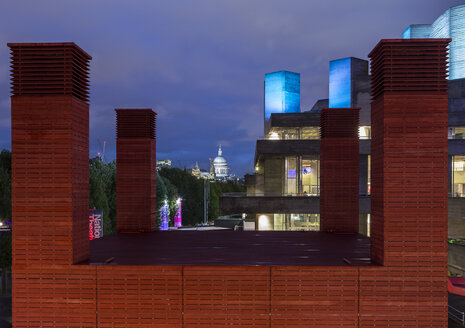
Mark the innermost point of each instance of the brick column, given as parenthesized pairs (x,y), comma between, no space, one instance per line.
(339,156)
(136,170)
(50,153)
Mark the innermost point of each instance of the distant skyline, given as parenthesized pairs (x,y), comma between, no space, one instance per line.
(201,64)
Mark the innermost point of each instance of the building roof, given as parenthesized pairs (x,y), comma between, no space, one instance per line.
(245,248)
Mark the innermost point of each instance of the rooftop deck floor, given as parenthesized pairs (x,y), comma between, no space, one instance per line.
(232,248)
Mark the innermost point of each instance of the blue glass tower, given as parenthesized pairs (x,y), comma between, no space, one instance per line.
(451,24)
(282,93)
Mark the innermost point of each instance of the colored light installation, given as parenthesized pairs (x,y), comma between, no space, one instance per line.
(282,93)
(95,224)
(340,83)
(178,216)
(164,216)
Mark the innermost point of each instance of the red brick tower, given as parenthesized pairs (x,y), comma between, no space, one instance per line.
(136,170)
(339,169)
(409,114)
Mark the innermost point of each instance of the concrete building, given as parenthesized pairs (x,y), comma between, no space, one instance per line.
(448,25)
(284,192)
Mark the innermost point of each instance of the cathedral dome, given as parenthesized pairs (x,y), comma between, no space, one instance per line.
(220,165)
(219,160)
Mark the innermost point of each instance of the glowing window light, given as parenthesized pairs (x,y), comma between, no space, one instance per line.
(274,136)
(164,216)
(263,222)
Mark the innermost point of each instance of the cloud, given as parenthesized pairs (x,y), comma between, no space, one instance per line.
(200,64)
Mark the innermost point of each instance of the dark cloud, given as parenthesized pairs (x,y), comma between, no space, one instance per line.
(200,64)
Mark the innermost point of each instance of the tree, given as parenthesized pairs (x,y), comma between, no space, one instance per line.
(190,189)
(99,178)
(5,185)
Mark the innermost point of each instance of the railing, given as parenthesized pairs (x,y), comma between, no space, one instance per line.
(268,194)
(5,282)
(457,315)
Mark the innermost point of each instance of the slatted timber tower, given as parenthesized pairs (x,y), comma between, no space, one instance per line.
(136,170)
(50,145)
(409,114)
(339,169)
(57,283)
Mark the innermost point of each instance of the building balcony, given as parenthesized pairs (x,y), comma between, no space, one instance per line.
(299,147)
(241,203)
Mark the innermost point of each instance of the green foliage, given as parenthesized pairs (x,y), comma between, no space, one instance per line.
(5,184)
(5,207)
(190,189)
(217,188)
(5,247)
(102,192)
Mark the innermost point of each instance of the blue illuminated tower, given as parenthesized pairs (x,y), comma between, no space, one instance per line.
(282,94)
(348,80)
(451,24)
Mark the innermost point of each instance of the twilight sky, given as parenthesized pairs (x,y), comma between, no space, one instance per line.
(200,64)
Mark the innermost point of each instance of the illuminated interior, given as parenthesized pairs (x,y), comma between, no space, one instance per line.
(458,176)
(312,132)
(364,132)
(302,176)
(289,222)
(456,133)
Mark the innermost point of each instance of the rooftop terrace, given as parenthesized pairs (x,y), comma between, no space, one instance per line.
(232,248)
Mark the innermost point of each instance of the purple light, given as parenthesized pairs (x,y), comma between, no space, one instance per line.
(164,217)
(178,217)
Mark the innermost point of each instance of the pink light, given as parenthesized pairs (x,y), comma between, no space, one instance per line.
(178,217)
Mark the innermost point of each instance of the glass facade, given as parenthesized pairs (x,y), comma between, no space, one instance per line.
(290,176)
(312,132)
(282,93)
(302,175)
(458,176)
(340,83)
(364,132)
(456,133)
(310,177)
